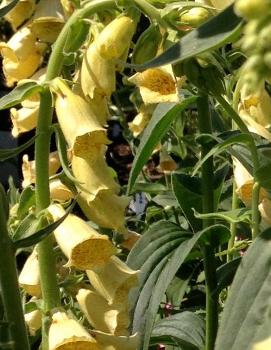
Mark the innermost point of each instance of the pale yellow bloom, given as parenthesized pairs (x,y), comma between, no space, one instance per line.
(23,120)
(33,320)
(106,209)
(81,128)
(263,345)
(29,168)
(113,281)
(166,163)
(20,13)
(113,41)
(139,123)
(112,342)
(130,239)
(84,247)
(107,318)
(156,85)
(97,74)
(265,210)
(47,21)
(29,278)
(94,174)
(60,192)
(253,126)
(22,55)
(66,333)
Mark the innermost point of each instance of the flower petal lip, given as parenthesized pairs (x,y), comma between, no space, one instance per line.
(29,278)
(23,120)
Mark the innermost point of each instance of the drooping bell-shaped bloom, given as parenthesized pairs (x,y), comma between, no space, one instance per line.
(23,120)
(265,210)
(113,281)
(29,278)
(112,342)
(156,85)
(84,247)
(22,55)
(59,192)
(33,320)
(116,37)
(140,121)
(81,128)
(107,318)
(66,333)
(20,13)
(166,163)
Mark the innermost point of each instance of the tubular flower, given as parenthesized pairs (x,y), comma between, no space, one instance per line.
(82,130)
(156,85)
(244,184)
(112,342)
(66,334)
(60,192)
(33,321)
(20,13)
(106,209)
(48,21)
(28,168)
(94,174)
(84,247)
(22,55)
(105,317)
(97,74)
(113,281)
(116,37)
(130,239)
(166,164)
(139,123)
(29,278)
(23,120)
(265,210)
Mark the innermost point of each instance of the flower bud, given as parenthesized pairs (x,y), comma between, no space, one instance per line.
(112,342)
(84,247)
(156,85)
(20,13)
(105,317)
(66,333)
(195,16)
(113,281)
(82,130)
(97,74)
(29,278)
(113,41)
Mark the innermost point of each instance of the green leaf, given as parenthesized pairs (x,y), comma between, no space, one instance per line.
(12,152)
(4,10)
(246,318)
(231,216)
(177,289)
(156,129)
(214,33)
(165,199)
(4,201)
(41,234)
(149,187)
(26,201)
(225,274)
(186,328)
(187,191)
(19,93)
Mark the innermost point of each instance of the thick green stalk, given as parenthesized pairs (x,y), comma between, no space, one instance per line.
(207,181)
(10,291)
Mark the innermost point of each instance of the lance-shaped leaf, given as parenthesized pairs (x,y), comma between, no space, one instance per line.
(246,318)
(214,33)
(153,133)
(232,216)
(12,152)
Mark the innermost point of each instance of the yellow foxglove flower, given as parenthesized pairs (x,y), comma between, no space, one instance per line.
(60,192)
(22,55)
(23,120)
(84,247)
(130,239)
(253,126)
(106,209)
(139,123)
(33,321)
(112,342)
(97,74)
(166,164)
(29,278)
(28,168)
(257,105)
(20,13)
(263,345)
(81,128)
(47,21)
(102,316)
(94,174)
(244,184)
(265,210)
(113,281)
(66,334)
(156,85)
(114,39)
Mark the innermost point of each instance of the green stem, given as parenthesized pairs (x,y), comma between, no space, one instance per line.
(10,291)
(151,12)
(207,178)
(233,226)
